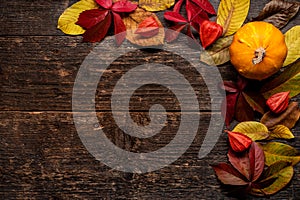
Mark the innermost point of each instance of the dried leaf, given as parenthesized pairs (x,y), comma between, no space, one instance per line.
(119,28)
(123,6)
(206,6)
(282,172)
(292,41)
(148,28)
(256,101)
(257,161)
(156,5)
(228,174)
(174,17)
(252,129)
(232,14)
(281,132)
(278,12)
(243,111)
(240,162)
(275,151)
(99,31)
(173,32)
(287,118)
(228,107)
(132,22)
(218,52)
(67,20)
(288,80)
(89,18)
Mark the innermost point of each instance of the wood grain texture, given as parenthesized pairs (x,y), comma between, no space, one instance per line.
(42,156)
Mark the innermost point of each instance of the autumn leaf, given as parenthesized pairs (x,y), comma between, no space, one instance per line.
(232,14)
(288,80)
(132,23)
(281,132)
(276,151)
(218,52)
(292,41)
(280,173)
(288,118)
(98,21)
(252,129)
(67,20)
(156,5)
(278,12)
(148,28)
(238,104)
(244,169)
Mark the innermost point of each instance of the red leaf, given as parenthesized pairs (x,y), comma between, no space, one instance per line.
(229,175)
(174,17)
(238,141)
(228,107)
(210,32)
(98,32)
(148,27)
(177,6)
(240,162)
(90,18)
(242,83)
(205,5)
(229,86)
(257,161)
(123,6)
(243,111)
(105,3)
(119,28)
(173,32)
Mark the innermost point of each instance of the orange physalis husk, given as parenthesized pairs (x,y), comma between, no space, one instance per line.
(238,141)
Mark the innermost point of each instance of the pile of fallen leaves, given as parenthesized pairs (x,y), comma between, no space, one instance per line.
(259,162)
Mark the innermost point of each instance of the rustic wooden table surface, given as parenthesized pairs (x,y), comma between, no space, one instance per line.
(41,154)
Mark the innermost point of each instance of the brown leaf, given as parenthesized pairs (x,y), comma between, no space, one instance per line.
(278,12)
(240,162)
(228,174)
(132,22)
(287,118)
(257,161)
(243,111)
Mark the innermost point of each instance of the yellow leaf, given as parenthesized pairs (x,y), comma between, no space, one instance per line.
(292,40)
(218,53)
(276,151)
(232,14)
(253,129)
(132,21)
(282,132)
(67,20)
(156,5)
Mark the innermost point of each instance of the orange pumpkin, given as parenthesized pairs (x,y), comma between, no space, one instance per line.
(258,50)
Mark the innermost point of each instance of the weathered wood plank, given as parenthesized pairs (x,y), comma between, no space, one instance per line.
(42,157)
(43,74)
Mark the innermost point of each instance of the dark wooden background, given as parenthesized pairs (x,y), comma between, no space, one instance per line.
(41,154)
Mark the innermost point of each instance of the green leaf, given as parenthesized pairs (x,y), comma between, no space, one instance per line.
(232,14)
(288,80)
(253,129)
(281,132)
(218,53)
(282,172)
(276,151)
(67,20)
(292,41)
(156,5)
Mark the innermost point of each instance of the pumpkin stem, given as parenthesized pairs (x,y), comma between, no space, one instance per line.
(259,55)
